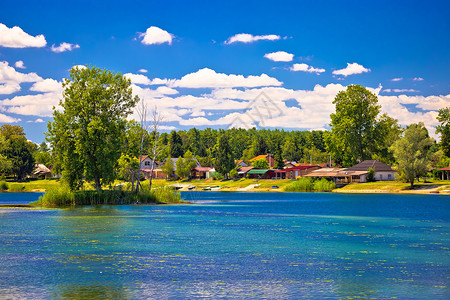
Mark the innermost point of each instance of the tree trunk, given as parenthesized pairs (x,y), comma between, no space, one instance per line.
(412,183)
(98,185)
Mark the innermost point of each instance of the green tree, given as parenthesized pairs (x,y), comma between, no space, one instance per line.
(224,162)
(175,144)
(444,129)
(261,164)
(127,167)
(412,152)
(86,135)
(182,170)
(353,124)
(20,154)
(168,167)
(189,162)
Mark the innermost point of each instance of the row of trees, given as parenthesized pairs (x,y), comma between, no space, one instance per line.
(91,138)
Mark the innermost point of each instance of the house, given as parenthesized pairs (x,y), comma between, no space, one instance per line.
(41,170)
(261,173)
(268,157)
(289,164)
(242,172)
(383,172)
(295,172)
(357,173)
(445,173)
(212,173)
(240,163)
(146,162)
(200,172)
(146,168)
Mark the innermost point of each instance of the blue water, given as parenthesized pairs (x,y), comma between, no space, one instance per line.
(231,245)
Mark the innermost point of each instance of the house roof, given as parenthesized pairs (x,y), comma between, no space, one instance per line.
(378,166)
(202,169)
(244,170)
(258,157)
(258,171)
(143,157)
(444,169)
(41,169)
(296,168)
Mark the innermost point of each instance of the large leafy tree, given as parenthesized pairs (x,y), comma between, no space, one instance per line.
(412,152)
(86,133)
(444,129)
(355,126)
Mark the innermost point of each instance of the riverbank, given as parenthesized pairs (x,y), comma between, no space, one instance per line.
(263,185)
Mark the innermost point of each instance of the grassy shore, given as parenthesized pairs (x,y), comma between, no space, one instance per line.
(252,185)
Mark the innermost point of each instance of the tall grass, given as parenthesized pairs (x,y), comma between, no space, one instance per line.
(63,196)
(306,184)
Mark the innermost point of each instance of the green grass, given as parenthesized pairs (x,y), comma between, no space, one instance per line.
(395,186)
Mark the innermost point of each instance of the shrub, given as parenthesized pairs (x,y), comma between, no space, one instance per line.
(56,197)
(370,175)
(303,184)
(16,187)
(324,185)
(3,186)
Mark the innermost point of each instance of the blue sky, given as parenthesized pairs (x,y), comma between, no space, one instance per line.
(213,59)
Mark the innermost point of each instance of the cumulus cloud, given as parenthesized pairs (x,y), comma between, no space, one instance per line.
(19,64)
(47,85)
(417,79)
(32,105)
(155,36)
(397,79)
(305,68)
(144,80)
(10,79)
(63,47)
(15,37)
(351,69)
(36,121)
(142,71)
(7,119)
(207,78)
(279,56)
(249,38)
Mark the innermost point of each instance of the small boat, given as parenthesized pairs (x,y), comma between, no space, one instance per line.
(275,186)
(191,188)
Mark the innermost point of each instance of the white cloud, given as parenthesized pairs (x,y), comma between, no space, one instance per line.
(47,85)
(15,37)
(10,79)
(19,64)
(397,79)
(164,90)
(142,71)
(400,91)
(138,78)
(36,121)
(305,68)
(155,35)
(32,105)
(351,69)
(207,78)
(249,38)
(63,47)
(8,119)
(279,56)
(418,79)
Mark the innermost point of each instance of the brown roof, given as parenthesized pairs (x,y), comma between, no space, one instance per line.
(202,169)
(259,157)
(444,169)
(378,166)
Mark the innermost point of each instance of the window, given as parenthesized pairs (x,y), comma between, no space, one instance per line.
(389,176)
(381,176)
(147,163)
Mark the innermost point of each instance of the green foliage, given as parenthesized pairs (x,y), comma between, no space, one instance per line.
(302,184)
(63,196)
(261,164)
(444,129)
(234,174)
(175,144)
(412,152)
(3,186)
(181,170)
(307,184)
(16,187)
(224,161)
(371,175)
(86,135)
(19,153)
(127,168)
(168,167)
(324,185)
(358,132)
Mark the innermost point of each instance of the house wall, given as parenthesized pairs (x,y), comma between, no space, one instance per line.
(384,176)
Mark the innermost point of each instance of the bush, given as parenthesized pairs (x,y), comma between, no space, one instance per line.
(3,186)
(16,187)
(63,196)
(324,185)
(303,184)
(306,184)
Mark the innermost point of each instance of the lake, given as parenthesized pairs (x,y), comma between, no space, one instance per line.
(230,245)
